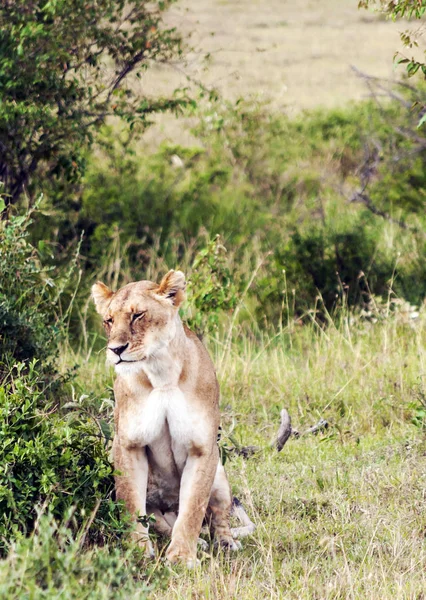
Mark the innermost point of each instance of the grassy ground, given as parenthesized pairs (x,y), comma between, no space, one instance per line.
(339,514)
(335,520)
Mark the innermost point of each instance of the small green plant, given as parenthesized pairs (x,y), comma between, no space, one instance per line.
(212,289)
(418,407)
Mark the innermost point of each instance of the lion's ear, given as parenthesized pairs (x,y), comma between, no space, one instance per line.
(101,295)
(172,287)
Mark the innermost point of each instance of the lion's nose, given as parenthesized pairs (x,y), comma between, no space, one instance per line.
(118,349)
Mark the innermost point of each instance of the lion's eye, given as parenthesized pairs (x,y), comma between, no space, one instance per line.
(139,315)
(109,321)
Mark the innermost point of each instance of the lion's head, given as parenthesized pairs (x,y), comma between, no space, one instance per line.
(140,319)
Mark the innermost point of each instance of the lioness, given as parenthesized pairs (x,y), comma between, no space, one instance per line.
(166,417)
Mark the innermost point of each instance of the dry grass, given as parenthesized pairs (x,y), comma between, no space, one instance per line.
(298,55)
(340,514)
(335,520)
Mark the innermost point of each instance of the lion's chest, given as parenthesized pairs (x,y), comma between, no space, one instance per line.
(163,417)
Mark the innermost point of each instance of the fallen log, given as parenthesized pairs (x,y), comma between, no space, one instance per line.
(286,430)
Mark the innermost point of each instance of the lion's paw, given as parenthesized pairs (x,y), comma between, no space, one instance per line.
(228,543)
(180,553)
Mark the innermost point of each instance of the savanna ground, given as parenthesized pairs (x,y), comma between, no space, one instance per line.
(287,51)
(296,55)
(339,514)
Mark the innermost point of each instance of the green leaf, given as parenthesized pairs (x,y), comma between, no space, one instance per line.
(422,121)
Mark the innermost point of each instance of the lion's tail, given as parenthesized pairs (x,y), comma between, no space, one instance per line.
(247,526)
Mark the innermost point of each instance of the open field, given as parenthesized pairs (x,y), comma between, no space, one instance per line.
(298,55)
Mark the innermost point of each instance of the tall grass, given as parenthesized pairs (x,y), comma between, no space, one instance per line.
(339,514)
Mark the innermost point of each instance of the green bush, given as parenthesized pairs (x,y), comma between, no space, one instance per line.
(51,563)
(212,289)
(339,263)
(329,196)
(156,199)
(30,323)
(53,453)
(51,459)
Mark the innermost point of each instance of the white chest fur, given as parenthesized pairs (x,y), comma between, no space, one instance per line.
(164,407)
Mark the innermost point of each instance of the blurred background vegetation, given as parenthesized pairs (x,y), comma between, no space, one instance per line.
(281,217)
(331,202)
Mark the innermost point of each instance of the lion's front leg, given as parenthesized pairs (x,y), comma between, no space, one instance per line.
(196,483)
(131,486)
(219,509)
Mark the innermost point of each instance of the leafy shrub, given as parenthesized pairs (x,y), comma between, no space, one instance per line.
(53,89)
(329,196)
(211,290)
(52,560)
(50,456)
(30,324)
(50,459)
(341,263)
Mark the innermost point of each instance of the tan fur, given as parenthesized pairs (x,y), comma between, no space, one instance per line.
(166,416)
